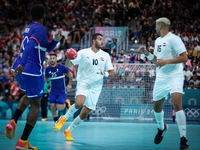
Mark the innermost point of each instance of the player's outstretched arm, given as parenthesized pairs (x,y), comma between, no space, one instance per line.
(150,56)
(56,38)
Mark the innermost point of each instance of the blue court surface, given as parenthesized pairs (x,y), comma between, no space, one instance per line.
(102,135)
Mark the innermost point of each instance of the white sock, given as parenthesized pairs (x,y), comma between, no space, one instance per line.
(70,112)
(160,120)
(75,123)
(181,121)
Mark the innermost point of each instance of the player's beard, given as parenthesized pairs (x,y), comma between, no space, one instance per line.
(53,63)
(158,32)
(97,45)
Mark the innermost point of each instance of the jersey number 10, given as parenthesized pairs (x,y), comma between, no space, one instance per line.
(95,61)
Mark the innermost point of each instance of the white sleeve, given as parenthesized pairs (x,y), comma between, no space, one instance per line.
(177,45)
(109,65)
(76,61)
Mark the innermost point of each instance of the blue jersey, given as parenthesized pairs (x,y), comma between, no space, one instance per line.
(57,75)
(34,64)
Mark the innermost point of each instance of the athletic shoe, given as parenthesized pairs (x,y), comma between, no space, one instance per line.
(60,122)
(68,105)
(55,125)
(184,143)
(23,145)
(44,119)
(67,134)
(10,129)
(159,135)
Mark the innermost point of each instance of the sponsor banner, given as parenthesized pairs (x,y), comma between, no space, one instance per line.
(106,110)
(192,112)
(139,111)
(109,32)
(191,97)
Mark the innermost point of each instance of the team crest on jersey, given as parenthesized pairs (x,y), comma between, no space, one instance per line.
(164,44)
(102,59)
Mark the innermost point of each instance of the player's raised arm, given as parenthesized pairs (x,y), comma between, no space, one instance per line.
(150,56)
(56,38)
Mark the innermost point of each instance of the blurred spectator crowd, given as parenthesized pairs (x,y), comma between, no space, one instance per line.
(74,18)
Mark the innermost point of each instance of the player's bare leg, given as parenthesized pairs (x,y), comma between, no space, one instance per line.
(159,115)
(78,120)
(53,110)
(180,119)
(10,127)
(30,123)
(80,99)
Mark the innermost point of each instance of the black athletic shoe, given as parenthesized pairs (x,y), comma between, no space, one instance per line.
(184,143)
(159,135)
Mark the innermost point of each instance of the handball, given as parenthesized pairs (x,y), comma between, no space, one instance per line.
(71,53)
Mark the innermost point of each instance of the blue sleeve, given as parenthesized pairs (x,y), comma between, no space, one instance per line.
(28,50)
(66,70)
(46,73)
(51,46)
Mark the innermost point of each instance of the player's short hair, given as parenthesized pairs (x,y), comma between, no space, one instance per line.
(53,54)
(94,37)
(164,22)
(37,12)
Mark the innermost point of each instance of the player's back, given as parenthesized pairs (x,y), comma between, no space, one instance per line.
(34,63)
(169,47)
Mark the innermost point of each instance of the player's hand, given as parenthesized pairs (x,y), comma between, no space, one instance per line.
(69,87)
(143,50)
(18,70)
(101,72)
(57,37)
(160,63)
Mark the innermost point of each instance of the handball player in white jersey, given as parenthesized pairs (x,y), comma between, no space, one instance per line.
(93,65)
(169,56)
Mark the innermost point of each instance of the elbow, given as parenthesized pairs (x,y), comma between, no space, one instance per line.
(112,75)
(185,59)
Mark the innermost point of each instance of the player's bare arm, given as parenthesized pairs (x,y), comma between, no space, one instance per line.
(181,59)
(46,79)
(70,75)
(144,51)
(109,74)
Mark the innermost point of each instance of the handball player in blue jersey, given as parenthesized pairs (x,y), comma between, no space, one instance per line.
(28,71)
(57,97)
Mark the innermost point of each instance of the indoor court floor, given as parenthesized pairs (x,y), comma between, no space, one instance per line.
(102,135)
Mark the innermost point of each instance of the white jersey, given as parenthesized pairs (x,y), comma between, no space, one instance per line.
(169,47)
(89,64)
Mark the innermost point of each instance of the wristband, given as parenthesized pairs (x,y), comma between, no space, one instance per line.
(56,39)
(150,57)
(106,74)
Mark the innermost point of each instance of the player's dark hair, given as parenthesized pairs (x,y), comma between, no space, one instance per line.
(53,54)
(37,12)
(94,37)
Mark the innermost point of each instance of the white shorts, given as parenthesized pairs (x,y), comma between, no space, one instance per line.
(168,85)
(91,94)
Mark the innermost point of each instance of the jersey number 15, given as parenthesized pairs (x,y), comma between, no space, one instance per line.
(159,48)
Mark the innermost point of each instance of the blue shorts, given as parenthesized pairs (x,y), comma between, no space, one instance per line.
(58,98)
(32,85)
